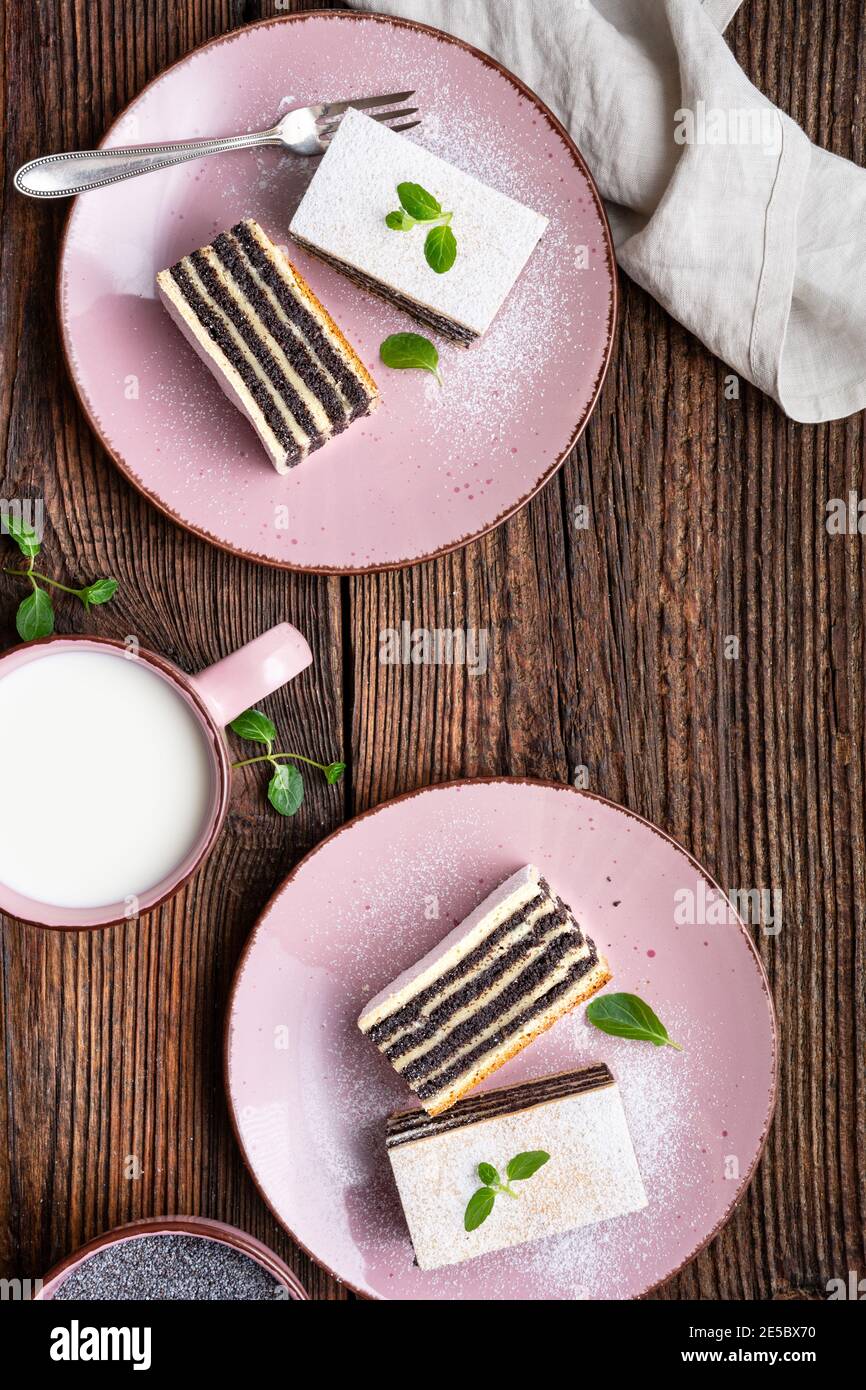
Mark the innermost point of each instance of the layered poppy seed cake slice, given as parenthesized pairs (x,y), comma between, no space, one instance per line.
(572,1127)
(273,348)
(511,969)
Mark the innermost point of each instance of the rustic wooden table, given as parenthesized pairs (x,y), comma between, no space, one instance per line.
(608,651)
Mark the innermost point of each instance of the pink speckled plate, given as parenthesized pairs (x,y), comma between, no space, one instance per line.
(432,469)
(309,1094)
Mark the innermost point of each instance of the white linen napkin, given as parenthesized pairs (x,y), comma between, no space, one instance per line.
(721,208)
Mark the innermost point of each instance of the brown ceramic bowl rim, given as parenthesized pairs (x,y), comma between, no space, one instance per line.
(201,1226)
(216,742)
(525,782)
(359,17)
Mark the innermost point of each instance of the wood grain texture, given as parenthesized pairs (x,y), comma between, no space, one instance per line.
(608,650)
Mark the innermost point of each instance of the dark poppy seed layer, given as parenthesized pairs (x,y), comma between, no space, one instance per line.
(408,1125)
(299,314)
(234,312)
(294,347)
(445,327)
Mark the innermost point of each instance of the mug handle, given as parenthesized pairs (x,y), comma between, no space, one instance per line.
(235,684)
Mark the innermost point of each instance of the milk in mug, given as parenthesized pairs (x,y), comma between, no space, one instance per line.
(108,780)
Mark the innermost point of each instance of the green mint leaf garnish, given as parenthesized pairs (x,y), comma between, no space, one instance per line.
(286,789)
(100,591)
(23,535)
(440,249)
(400,221)
(420,205)
(627,1016)
(522,1166)
(478,1208)
(254,726)
(35,616)
(404,351)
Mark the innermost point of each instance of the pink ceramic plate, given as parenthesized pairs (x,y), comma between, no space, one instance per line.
(433,468)
(309,1094)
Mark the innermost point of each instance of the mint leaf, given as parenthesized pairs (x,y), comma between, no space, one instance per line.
(333,772)
(488,1174)
(440,249)
(23,535)
(286,789)
(478,1208)
(406,351)
(522,1166)
(100,591)
(35,616)
(627,1016)
(419,204)
(400,221)
(254,726)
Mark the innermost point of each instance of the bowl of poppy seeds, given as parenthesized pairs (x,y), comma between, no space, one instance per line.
(173,1259)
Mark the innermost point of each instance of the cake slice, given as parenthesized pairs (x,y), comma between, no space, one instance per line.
(273,348)
(342,215)
(504,975)
(576,1119)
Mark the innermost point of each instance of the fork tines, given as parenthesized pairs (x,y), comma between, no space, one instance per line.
(330,113)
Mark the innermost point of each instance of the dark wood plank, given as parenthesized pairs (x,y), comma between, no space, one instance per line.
(607,650)
(113,1040)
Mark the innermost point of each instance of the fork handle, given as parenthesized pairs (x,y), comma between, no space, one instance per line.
(64,175)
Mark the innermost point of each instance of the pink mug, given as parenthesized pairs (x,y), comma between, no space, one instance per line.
(215,697)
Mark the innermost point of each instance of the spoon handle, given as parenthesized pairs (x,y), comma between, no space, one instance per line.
(64,175)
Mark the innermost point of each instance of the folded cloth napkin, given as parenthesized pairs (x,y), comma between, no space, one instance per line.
(721,208)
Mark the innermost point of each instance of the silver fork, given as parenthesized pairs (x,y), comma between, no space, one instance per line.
(306,130)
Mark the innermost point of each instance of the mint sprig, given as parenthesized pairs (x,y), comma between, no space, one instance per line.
(481,1203)
(627,1016)
(23,534)
(35,616)
(419,204)
(420,208)
(400,221)
(286,787)
(478,1208)
(255,727)
(440,249)
(411,351)
(522,1166)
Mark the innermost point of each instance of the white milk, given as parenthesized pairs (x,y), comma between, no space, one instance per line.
(107,779)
